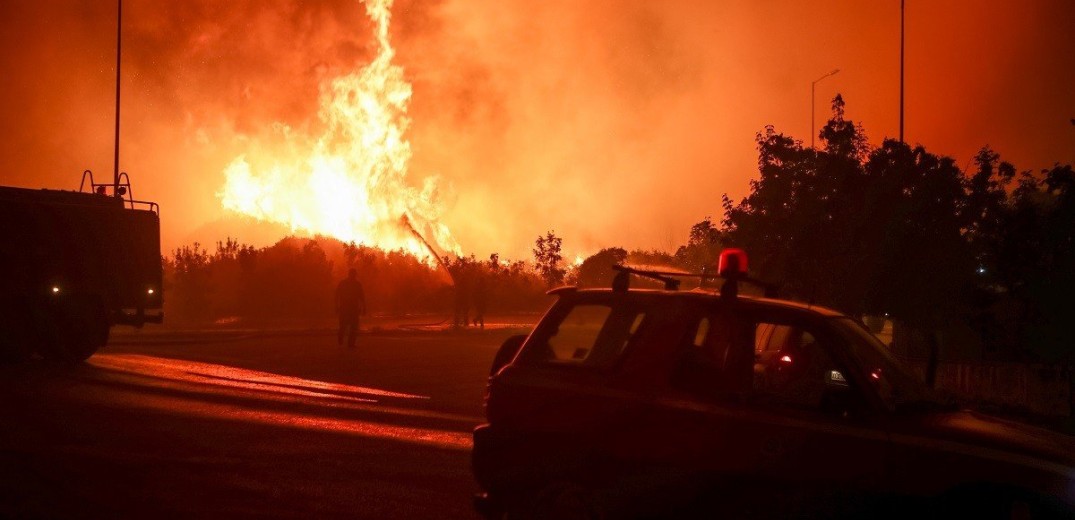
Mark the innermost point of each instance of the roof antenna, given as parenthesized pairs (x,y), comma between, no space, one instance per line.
(729,290)
(119,39)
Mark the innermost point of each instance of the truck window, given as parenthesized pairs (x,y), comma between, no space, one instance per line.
(895,383)
(794,369)
(593,335)
(714,357)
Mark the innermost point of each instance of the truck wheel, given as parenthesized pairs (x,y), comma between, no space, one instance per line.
(74,330)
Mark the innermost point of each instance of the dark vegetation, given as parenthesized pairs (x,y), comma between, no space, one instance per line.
(294,281)
(897,230)
(981,260)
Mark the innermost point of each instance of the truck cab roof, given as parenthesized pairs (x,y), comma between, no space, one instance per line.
(9,193)
(700,295)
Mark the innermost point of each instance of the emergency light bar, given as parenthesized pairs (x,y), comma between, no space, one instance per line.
(731,267)
(734,260)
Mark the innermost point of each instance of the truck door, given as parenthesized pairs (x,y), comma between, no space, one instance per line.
(816,441)
(757,409)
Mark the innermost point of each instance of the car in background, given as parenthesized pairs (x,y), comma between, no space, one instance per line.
(629,403)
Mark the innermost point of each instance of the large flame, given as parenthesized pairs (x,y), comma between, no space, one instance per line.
(349,181)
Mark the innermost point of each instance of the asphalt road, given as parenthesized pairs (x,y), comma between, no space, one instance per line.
(248,424)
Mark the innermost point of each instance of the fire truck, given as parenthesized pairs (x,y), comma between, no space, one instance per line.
(75,263)
(72,265)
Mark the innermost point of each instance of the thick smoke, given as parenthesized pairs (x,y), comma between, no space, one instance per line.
(616,123)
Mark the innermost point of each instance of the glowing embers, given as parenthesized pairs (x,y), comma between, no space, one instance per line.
(345,177)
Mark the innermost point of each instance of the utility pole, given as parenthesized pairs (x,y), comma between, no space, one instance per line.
(119,39)
(901,70)
(813,84)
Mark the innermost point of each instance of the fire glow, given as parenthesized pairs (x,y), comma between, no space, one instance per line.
(347,181)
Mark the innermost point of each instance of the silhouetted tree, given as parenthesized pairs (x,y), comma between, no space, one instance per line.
(802,221)
(702,248)
(596,270)
(228,278)
(1034,254)
(924,264)
(881,231)
(547,258)
(189,293)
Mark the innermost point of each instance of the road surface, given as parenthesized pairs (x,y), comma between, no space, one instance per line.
(248,424)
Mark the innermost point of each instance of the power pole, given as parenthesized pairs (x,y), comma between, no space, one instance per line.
(901,70)
(119,39)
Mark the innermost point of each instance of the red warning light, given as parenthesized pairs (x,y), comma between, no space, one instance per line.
(732,260)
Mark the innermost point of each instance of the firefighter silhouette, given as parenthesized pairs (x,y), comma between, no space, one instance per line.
(350,304)
(481,299)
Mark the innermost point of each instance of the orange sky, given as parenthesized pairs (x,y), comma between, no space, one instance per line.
(612,122)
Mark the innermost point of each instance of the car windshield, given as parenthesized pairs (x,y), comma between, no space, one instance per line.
(897,385)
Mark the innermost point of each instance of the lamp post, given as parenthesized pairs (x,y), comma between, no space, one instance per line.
(813,84)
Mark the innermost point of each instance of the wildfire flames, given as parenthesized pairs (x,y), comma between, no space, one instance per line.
(347,180)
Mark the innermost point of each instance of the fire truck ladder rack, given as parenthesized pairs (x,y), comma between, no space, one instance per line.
(671,279)
(122,190)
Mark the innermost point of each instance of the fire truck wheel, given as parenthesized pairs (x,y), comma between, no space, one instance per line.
(79,326)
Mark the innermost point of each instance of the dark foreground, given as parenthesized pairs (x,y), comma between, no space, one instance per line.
(267,425)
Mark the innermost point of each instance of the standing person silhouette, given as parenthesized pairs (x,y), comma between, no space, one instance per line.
(481,299)
(350,304)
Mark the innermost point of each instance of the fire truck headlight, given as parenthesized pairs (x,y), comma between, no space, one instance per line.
(150,292)
(55,289)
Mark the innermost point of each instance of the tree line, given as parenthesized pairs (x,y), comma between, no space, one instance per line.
(294,280)
(896,230)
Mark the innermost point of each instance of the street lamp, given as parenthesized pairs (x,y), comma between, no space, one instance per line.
(812,85)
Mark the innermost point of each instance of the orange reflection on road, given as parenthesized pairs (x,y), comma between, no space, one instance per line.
(212,391)
(209,373)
